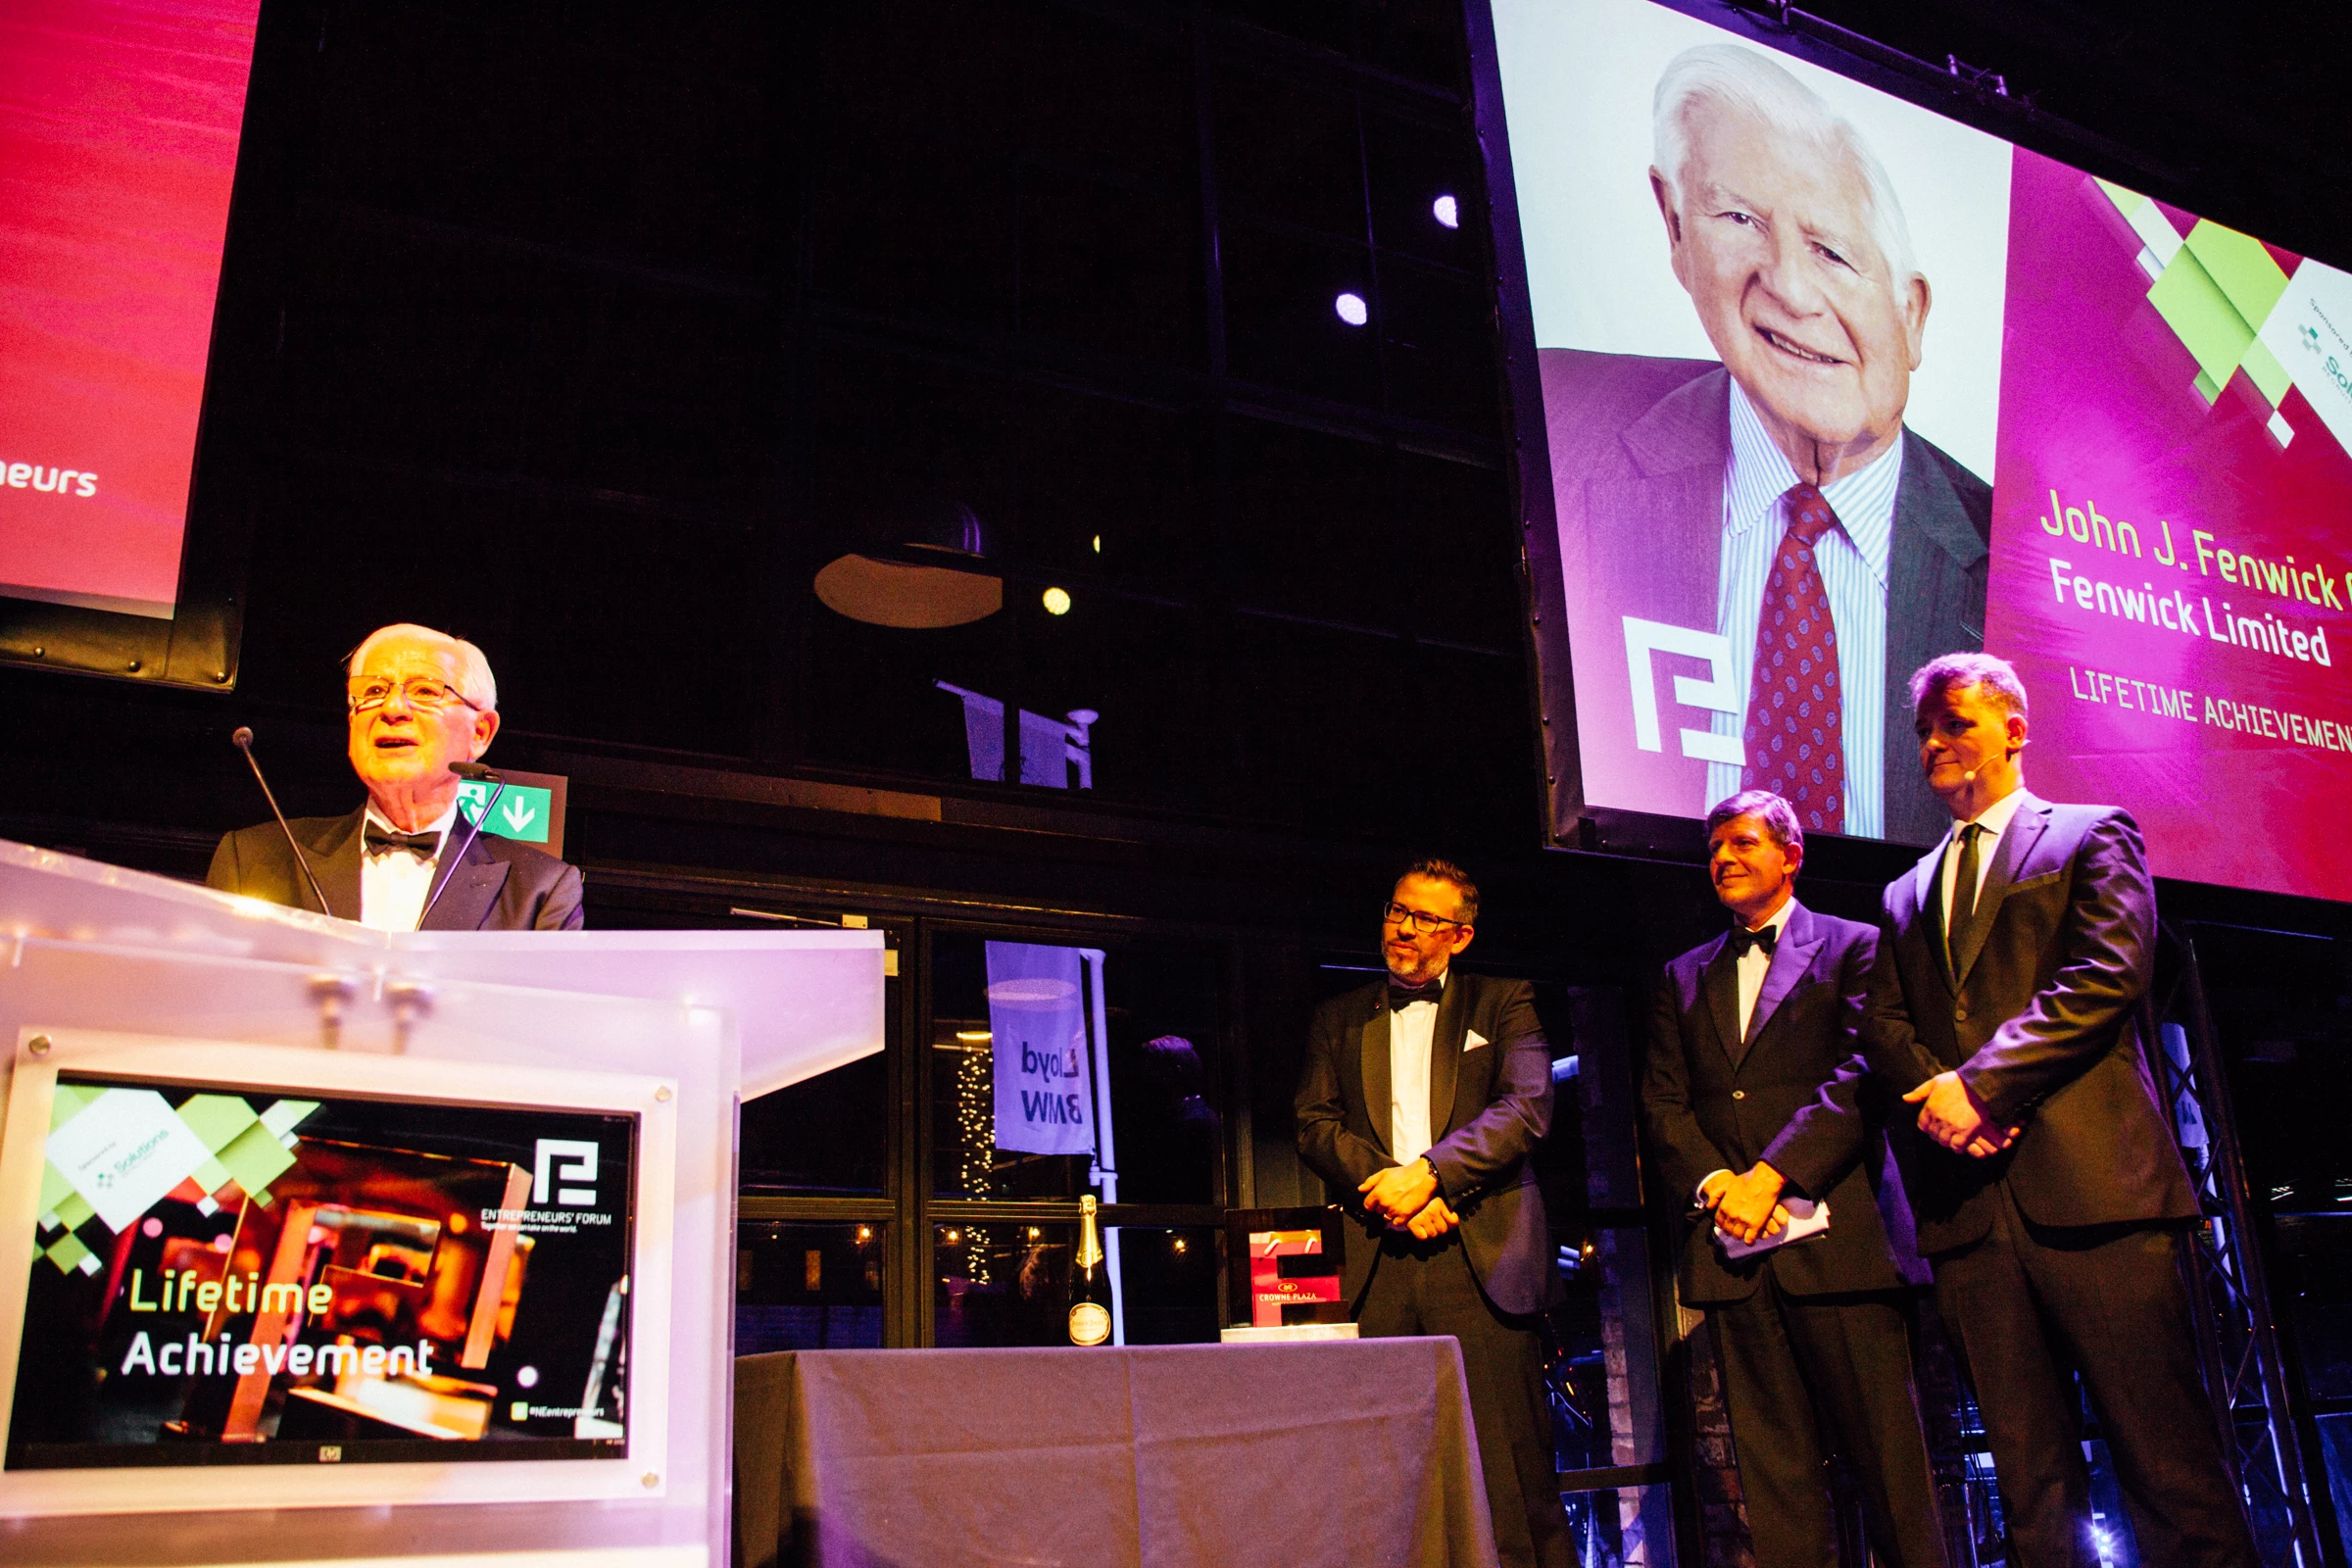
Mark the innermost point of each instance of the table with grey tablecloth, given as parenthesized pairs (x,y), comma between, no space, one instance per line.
(1343,1453)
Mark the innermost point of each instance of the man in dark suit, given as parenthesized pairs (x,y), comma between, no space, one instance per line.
(419,700)
(1747,1030)
(1707,497)
(2047,1188)
(1422,1096)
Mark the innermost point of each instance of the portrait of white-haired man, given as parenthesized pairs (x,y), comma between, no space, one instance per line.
(1774,496)
(416,702)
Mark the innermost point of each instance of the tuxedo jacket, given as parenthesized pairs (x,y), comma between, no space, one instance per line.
(2040,1015)
(1716,1099)
(1489,1106)
(1639,448)
(500,885)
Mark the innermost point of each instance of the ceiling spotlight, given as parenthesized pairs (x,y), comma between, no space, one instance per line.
(1448,212)
(1352,309)
(1057,601)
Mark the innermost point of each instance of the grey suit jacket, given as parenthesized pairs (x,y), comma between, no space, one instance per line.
(1717,1099)
(1639,451)
(2042,1018)
(500,885)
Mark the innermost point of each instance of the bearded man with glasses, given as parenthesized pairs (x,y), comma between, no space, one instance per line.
(1422,1096)
(418,700)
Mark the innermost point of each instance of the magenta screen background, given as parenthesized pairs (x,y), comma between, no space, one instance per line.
(2097,403)
(119,125)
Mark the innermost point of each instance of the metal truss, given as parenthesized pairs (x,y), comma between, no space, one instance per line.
(2237,1333)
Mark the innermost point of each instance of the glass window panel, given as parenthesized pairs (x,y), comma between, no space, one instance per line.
(1168,1285)
(1286,151)
(1314,532)
(822,1134)
(871,188)
(1108,266)
(1603,1378)
(1441,339)
(1009,1284)
(1413,168)
(1160,1017)
(807,1286)
(1107,93)
(1003,1285)
(1631,1527)
(1282,321)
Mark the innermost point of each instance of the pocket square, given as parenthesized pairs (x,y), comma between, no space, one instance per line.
(1474,1040)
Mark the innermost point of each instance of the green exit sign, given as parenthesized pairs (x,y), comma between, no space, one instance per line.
(530,809)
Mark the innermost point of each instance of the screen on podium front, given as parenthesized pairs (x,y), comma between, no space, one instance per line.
(243,1276)
(2102,437)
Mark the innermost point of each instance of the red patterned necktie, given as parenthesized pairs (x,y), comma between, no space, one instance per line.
(1795,735)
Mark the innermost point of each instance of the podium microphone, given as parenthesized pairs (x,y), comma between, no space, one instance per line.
(244,738)
(474,773)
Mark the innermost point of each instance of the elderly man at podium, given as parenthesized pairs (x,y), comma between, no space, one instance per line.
(420,699)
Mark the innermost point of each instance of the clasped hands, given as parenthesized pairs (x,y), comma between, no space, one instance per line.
(1747,1208)
(1952,1116)
(1407,1197)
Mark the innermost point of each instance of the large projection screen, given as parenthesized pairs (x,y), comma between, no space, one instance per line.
(120,126)
(2051,418)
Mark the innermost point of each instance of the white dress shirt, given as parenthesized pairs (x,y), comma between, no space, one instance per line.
(1994,821)
(395,885)
(1755,963)
(1853,558)
(1751,967)
(1412,1038)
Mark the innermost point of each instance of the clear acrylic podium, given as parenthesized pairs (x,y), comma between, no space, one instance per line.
(94,957)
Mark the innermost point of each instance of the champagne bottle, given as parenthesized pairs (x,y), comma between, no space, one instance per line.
(1090,1283)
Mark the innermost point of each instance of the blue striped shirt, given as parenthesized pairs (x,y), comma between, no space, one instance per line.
(1853,558)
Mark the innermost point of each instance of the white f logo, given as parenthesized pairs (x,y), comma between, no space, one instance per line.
(579,1166)
(1715,693)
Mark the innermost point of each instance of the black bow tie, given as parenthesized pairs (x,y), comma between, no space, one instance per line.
(1400,996)
(383,841)
(1743,939)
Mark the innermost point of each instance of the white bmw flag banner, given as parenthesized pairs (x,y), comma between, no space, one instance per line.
(1037,1014)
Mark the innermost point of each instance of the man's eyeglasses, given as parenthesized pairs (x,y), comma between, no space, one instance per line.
(1420,923)
(419,692)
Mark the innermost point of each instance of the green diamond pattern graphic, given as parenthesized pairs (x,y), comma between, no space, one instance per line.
(69,1254)
(256,1159)
(284,1115)
(249,1150)
(2240,266)
(72,1210)
(55,1188)
(2217,289)
(211,1176)
(217,1119)
(2202,318)
(67,1103)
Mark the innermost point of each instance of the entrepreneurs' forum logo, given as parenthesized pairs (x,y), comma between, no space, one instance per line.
(577,1164)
